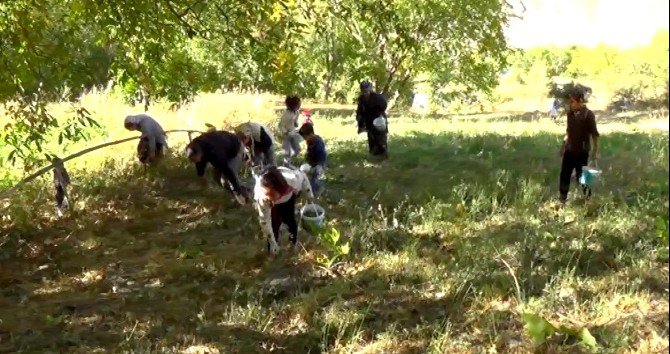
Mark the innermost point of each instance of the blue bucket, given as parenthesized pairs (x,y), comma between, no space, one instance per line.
(589,177)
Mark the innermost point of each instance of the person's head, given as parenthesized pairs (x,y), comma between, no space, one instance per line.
(366,88)
(194,151)
(577,99)
(292,103)
(131,123)
(274,184)
(244,137)
(306,131)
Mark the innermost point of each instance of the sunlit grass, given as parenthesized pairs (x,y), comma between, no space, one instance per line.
(147,261)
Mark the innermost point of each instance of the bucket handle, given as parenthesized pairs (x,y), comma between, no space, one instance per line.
(313,207)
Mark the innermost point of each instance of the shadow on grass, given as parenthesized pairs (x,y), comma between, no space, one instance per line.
(179,265)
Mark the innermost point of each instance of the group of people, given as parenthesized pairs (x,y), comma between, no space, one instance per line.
(276,187)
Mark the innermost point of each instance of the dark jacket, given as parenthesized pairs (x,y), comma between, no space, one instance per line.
(581,127)
(316,152)
(370,108)
(220,149)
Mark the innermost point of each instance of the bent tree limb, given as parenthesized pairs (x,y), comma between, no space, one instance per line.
(7,192)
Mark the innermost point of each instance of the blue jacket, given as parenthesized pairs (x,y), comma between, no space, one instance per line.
(316,152)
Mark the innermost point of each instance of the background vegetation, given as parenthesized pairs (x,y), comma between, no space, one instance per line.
(454,244)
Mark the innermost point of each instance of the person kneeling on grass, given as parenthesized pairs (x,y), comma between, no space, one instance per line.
(260,142)
(577,143)
(225,152)
(316,156)
(152,143)
(275,193)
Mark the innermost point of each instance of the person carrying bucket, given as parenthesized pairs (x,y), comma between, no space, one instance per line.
(371,118)
(577,147)
(275,194)
(316,157)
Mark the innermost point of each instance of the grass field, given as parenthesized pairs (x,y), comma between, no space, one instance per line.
(453,240)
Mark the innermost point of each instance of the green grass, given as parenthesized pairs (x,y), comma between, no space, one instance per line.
(148,262)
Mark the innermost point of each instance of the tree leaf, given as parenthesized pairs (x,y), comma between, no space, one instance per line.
(587,338)
(537,327)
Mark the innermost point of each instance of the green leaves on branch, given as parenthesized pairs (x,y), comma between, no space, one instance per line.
(54,50)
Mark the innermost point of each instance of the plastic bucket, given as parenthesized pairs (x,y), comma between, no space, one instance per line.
(380,124)
(312,217)
(589,176)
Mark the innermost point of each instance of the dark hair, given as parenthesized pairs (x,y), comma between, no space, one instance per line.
(577,95)
(273,179)
(366,85)
(292,102)
(306,129)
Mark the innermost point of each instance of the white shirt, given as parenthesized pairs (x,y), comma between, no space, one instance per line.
(288,121)
(299,183)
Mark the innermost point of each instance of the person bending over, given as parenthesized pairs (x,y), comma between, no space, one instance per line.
(275,194)
(152,143)
(225,152)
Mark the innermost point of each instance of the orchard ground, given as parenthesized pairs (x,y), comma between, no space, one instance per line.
(452,239)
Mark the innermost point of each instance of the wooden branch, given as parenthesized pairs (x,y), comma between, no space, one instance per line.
(45,169)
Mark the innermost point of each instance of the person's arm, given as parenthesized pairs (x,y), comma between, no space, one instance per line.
(305,186)
(231,177)
(565,141)
(319,153)
(382,105)
(595,135)
(359,115)
(265,218)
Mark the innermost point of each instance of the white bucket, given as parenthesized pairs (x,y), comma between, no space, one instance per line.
(312,221)
(305,168)
(380,123)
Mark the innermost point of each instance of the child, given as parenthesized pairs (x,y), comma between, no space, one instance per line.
(316,156)
(224,151)
(287,128)
(260,142)
(553,112)
(581,131)
(152,142)
(275,192)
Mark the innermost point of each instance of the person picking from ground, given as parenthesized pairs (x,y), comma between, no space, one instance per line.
(371,106)
(316,157)
(275,195)
(225,152)
(153,142)
(580,142)
(288,124)
(260,142)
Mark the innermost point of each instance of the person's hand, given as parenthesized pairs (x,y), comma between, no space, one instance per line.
(319,170)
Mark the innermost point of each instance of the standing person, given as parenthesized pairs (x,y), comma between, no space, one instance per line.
(553,112)
(316,156)
(288,124)
(275,193)
(372,105)
(225,152)
(260,142)
(576,146)
(152,143)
